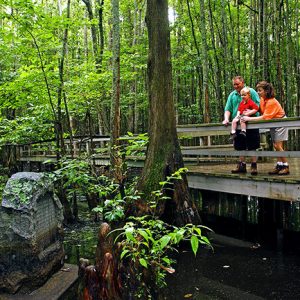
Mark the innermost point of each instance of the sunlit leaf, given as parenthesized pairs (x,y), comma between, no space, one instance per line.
(143,262)
(194,244)
(164,241)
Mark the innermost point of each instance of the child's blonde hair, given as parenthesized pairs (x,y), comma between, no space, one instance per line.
(245,90)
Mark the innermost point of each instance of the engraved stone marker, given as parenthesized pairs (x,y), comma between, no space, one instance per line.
(31,232)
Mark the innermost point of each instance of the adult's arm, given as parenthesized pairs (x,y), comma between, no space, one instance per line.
(226,117)
(250,112)
(246,118)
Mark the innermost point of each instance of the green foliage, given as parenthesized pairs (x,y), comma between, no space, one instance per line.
(230,28)
(149,242)
(22,190)
(3,180)
(135,145)
(78,175)
(166,185)
(112,210)
(25,129)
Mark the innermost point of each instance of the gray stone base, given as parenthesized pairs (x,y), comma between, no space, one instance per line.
(54,289)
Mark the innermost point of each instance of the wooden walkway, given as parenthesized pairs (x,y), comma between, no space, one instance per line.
(224,169)
(218,177)
(199,158)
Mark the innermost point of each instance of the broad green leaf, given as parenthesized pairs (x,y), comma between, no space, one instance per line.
(205,240)
(124,252)
(143,262)
(180,234)
(194,244)
(129,234)
(164,241)
(198,230)
(166,260)
(143,234)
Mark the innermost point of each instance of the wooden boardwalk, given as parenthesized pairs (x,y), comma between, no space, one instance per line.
(218,177)
(203,173)
(224,168)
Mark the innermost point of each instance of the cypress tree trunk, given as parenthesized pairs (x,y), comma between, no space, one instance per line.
(205,60)
(163,155)
(115,158)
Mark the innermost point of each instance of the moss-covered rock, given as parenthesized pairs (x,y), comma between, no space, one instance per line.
(31,232)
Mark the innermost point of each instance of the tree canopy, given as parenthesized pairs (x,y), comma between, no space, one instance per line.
(211,41)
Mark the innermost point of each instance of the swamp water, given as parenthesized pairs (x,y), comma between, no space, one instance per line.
(267,267)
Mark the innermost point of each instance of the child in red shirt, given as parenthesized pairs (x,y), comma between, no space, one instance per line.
(248,107)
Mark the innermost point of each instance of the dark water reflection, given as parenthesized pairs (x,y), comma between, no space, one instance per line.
(236,273)
(267,267)
(270,222)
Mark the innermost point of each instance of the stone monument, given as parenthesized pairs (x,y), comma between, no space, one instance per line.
(31,233)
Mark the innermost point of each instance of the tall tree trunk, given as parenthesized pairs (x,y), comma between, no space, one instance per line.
(297,63)
(200,79)
(115,158)
(59,122)
(101,31)
(68,215)
(224,45)
(163,154)
(136,32)
(97,57)
(205,63)
(254,67)
(278,37)
(287,101)
(263,40)
(218,77)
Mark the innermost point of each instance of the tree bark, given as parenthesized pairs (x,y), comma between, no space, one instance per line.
(205,63)
(97,57)
(115,158)
(163,154)
(200,79)
(68,214)
(101,31)
(217,68)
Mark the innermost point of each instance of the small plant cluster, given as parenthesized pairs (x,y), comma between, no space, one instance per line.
(25,129)
(78,175)
(112,210)
(136,145)
(148,242)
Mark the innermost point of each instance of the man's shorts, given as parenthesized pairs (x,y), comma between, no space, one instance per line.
(250,142)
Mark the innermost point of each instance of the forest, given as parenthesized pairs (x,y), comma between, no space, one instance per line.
(57,64)
(94,68)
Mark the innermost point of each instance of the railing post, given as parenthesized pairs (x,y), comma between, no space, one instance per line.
(88,148)
(76,150)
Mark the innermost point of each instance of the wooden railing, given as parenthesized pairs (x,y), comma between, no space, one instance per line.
(202,131)
(205,133)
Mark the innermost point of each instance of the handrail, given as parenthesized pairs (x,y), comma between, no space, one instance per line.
(194,130)
(217,128)
(201,130)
